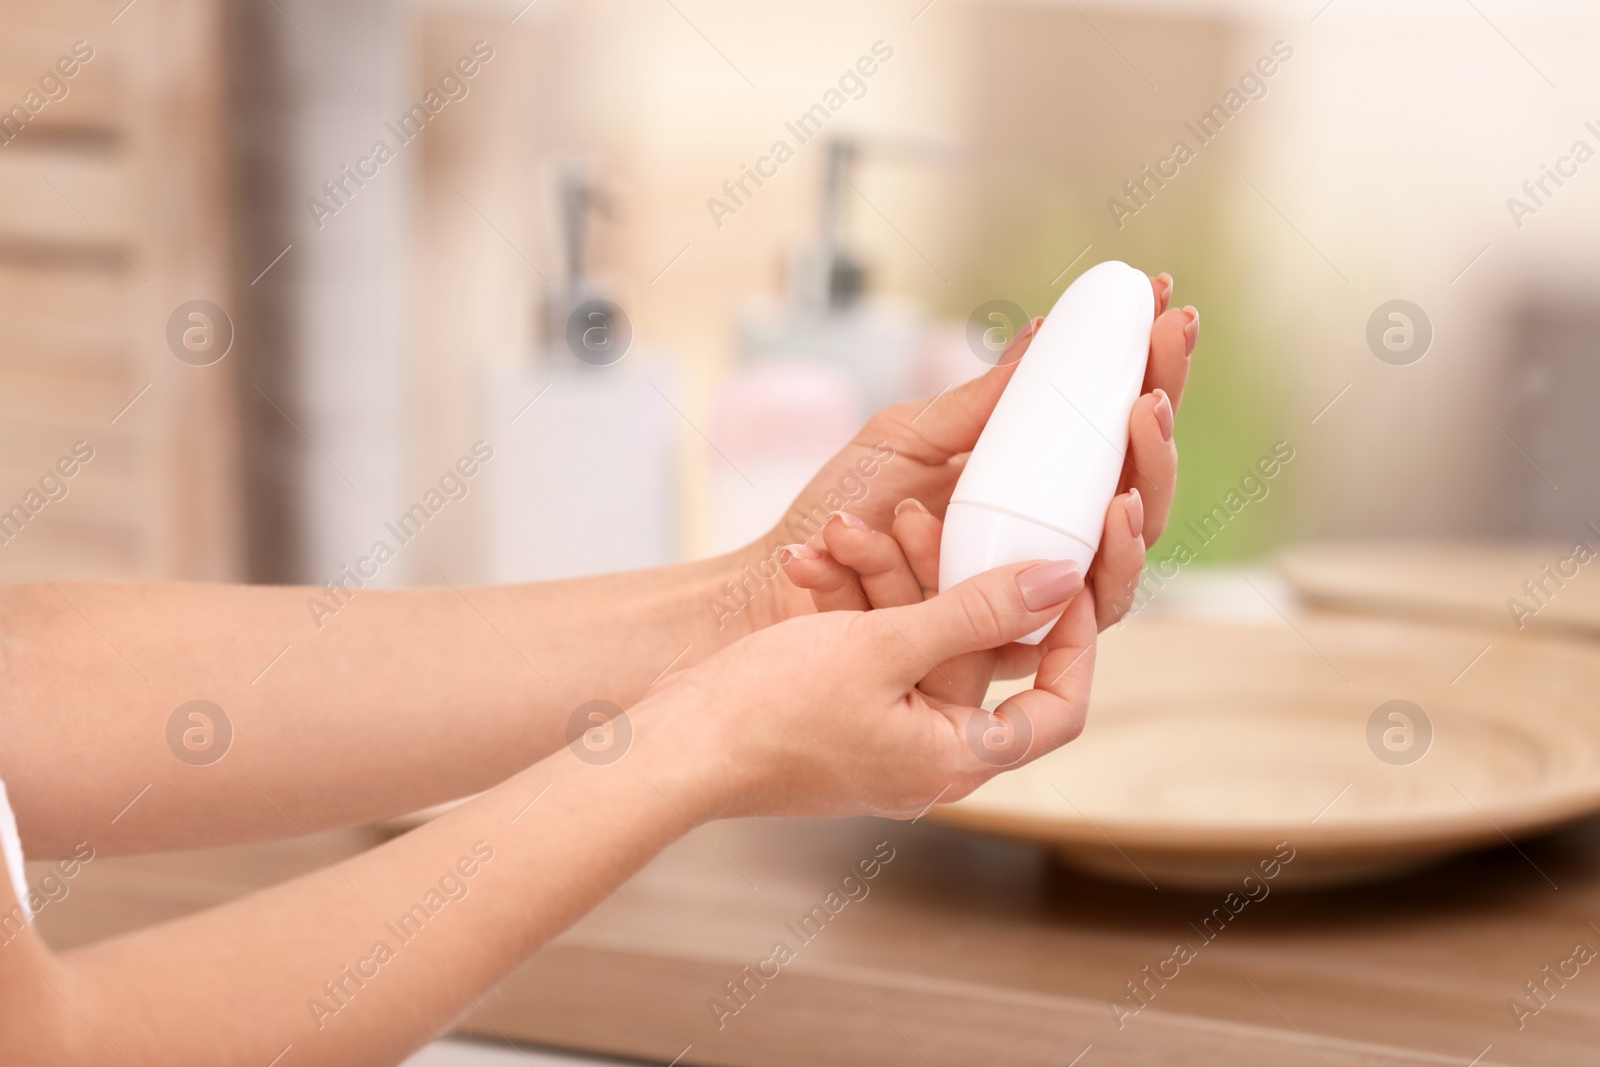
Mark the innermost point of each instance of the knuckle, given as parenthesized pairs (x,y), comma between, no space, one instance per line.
(887,424)
(886,417)
(879,557)
(1074,729)
(984,618)
(966,779)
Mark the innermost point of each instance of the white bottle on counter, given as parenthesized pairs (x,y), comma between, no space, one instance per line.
(1046,466)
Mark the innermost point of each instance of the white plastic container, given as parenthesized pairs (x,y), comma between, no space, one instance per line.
(1043,472)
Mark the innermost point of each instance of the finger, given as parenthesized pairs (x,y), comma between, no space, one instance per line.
(949,424)
(936,497)
(964,679)
(984,612)
(1052,713)
(1017,661)
(1152,460)
(961,679)
(918,531)
(1171,343)
(875,557)
(1162,285)
(833,587)
(1120,561)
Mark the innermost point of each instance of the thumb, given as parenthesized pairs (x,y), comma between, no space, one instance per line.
(983,612)
(951,422)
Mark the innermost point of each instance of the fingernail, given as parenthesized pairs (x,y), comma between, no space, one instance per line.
(1135,513)
(1191,329)
(852,521)
(1165,281)
(798,552)
(1164,414)
(1049,583)
(1018,339)
(910,504)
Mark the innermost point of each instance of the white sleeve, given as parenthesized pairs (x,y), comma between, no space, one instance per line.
(11,846)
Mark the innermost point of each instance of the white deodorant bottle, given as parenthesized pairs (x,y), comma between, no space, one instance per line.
(1043,472)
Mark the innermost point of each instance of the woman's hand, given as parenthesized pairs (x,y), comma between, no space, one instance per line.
(930,439)
(861,568)
(822,714)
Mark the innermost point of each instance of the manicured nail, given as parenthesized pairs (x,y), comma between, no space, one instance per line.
(852,521)
(1020,338)
(1164,280)
(1135,513)
(1049,583)
(798,552)
(910,504)
(1191,329)
(1164,414)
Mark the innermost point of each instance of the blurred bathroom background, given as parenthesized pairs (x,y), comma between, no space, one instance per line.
(582,247)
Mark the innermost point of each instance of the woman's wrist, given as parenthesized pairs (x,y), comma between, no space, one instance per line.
(679,751)
(745,590)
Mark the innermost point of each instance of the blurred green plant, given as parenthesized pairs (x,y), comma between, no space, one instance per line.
(1031,228)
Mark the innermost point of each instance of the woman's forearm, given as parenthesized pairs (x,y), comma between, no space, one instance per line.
(398,700)
(362,963)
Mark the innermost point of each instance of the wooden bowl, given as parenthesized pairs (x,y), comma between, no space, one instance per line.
(1212,745)
(1468,582)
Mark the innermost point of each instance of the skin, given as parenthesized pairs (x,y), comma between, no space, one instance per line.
(406,698)
(895,560)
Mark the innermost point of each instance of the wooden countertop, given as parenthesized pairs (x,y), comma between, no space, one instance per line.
(967,950)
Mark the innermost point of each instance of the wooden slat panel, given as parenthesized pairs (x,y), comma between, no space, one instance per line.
(60,311)
(100,529)
(32,16)
(44,27)
(64,395)
(92,101)
(36,37)
(81,552)
(177,144)
(115,213)
(105,491)
(79,200)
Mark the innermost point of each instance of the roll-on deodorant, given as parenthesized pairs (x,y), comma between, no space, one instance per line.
(1046,466)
